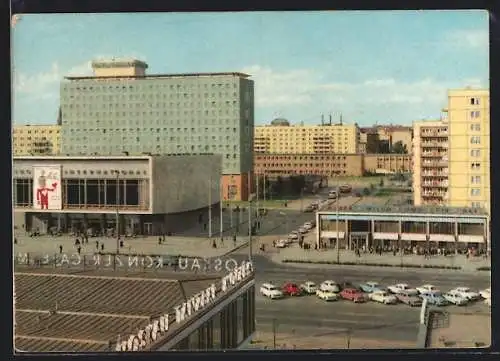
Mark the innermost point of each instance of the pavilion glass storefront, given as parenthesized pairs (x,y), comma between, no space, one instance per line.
(225,330)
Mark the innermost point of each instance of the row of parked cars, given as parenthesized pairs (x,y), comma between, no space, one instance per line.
(295,235)
(372,291)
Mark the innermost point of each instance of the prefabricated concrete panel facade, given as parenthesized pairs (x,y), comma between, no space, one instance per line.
(182,183)
(175,114)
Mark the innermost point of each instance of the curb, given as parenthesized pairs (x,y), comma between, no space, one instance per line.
(384,265)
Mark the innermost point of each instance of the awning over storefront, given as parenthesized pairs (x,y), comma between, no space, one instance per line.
(442,238)
(385,235)
(332,234)
(413,237)
(466,238)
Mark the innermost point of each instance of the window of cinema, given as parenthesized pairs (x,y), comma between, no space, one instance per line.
(96,193)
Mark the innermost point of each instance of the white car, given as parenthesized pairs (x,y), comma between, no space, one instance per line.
(281,244)
(485,293)
(427,288)
(455,298)
(327,295)
(293,236)
(307,226)
(302,230)
(383,297)
(331,286)
(271,291)
(467,293)
(309,287)
(400,287)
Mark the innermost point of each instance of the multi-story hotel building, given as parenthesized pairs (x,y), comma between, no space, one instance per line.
(451,156)
(282,138)
(121,110)
(36,139)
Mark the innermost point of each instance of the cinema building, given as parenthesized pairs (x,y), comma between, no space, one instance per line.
(141,194)
(404,227)
(96,311)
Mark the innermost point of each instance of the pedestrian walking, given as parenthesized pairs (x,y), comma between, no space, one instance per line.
(97,245)
(60,248)
(159,240)
(79,249)
(15,240)
(102,247)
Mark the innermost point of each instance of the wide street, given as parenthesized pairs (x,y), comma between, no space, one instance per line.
(309,316)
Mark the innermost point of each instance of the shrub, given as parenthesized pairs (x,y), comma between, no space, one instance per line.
(483,268)
(360,263)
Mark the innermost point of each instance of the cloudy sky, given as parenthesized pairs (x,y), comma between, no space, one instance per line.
(371,67)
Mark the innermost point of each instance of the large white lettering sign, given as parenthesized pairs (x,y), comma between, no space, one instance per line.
(157,328)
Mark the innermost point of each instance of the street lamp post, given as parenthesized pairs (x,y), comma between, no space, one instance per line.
(117,172)
(337,224)
(210,208)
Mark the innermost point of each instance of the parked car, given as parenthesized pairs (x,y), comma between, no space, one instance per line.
(434,298)
(383,297)
(309,209)
(327,295)
(370,287)
(302,230)
(281,243)
(345,188)
(271,291)
(486,293)
(400,287)
(291,289)
(352,294)
(331,286)
(427,288)
(409,299)
(308,226)
(293,236)
(467,293)
(455,298)
(309,287)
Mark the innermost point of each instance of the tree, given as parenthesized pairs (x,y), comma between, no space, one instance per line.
(399,148)
(381,184)
(366,192)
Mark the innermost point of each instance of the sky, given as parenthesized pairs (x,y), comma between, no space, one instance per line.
(370,67)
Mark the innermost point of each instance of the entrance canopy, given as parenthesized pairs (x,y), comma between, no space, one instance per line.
(385,235)
(470,238)
(413,237)
(332,234)
(442,238)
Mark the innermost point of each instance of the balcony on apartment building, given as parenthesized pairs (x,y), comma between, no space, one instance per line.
(434,144)
(441,173)
(434,154)
(426,133)
(434,194)
(436,184)
(438,163)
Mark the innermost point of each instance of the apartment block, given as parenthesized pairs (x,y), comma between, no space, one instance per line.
(469,152)
(431,162)
(328,165)
(282,138)
(36,139)
(122,110)
(451,160)
(387,163)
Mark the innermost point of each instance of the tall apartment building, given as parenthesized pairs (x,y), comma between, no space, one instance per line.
(36,139)
(121,110)
(283,138)
(451,159)
(430,162)
(469,127)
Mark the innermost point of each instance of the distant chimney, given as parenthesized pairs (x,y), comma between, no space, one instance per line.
(322,119)
(340,118)
(330,119)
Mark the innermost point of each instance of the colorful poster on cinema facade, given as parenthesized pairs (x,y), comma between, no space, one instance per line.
(47,187)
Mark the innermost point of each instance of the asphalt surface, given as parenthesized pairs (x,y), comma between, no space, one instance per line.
(309,316)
